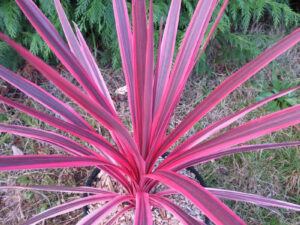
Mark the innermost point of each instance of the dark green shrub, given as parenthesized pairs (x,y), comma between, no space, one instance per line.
(96,21)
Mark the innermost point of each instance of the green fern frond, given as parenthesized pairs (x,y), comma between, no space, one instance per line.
(10,16)
(95,19)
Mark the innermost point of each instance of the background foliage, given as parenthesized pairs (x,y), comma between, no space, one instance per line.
(234,38)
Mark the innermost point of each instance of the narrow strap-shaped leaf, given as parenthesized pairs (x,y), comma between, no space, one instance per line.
(61,50)
(119,177)
(97,76)
(166,50)
(90,137)
(69,89)
(95,217)
(59,189)
(246,148)
(187,52)
(81,51)
(93,67)
(69,34)
(248,131)
(77,131)
(60,141)
(70,147)
(125,44)
(26,162)
(46,99)
(224,152)
(68,207)
(143,215)
(139,27)
(252,198)
(43,97)
(215,127)
(244,197)
(147,100)
(112,122)
(180,214)
(157,65)
(231,83)
(211,32)
(114,218)
(212,207)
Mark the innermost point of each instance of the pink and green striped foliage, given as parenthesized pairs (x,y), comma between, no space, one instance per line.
(154,89)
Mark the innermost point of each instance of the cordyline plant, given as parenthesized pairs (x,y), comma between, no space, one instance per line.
(154,89)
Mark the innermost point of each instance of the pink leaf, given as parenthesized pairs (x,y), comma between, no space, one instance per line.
(246,148)
(115,217)
(61,50)
(59,189)
(231,83)
(252,198)
(147,97)
(60,141)
(241,134)
(143,215)
(111,121)
(126,49)
(26,162)
(165,203)
(180,71)
(211,32)
(139,24)
(217,126)
(68,207)
(95,217)
(84,134)
(206,202)
(43,97)
(81,51)
(244,197)
(166,50)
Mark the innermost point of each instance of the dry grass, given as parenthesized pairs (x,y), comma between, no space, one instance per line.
(273,173)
